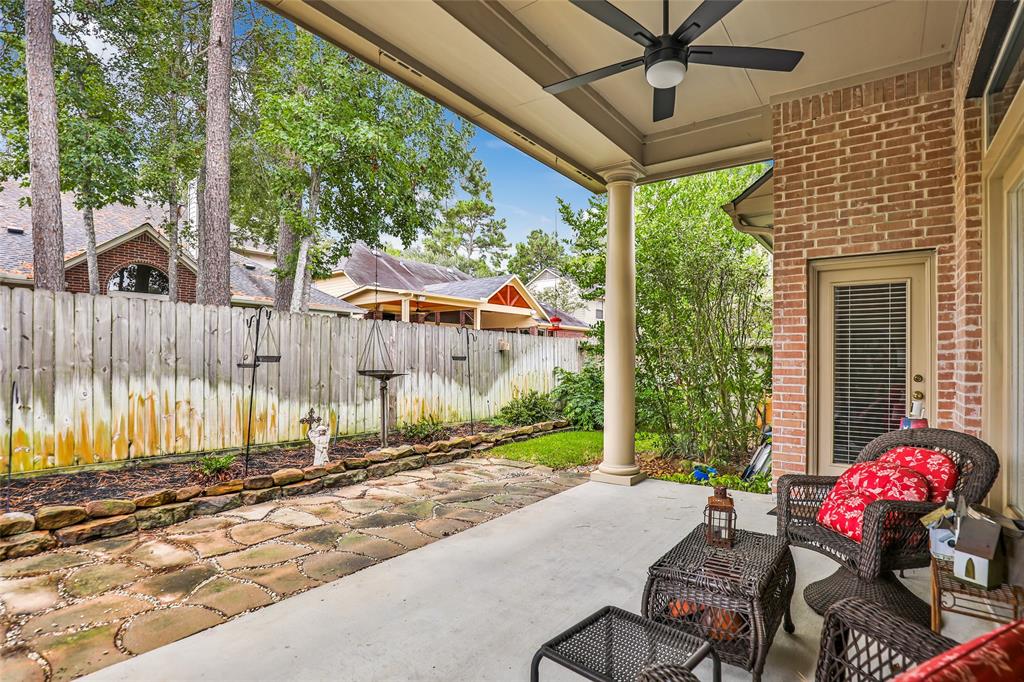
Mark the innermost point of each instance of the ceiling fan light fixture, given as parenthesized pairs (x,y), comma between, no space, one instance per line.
(666,74)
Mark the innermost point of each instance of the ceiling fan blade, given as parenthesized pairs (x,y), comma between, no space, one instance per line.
(664,103)
(611,15)
(763,58)
(704,17)
(591,76)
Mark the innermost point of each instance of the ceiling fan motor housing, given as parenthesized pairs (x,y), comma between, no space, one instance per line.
(665,62)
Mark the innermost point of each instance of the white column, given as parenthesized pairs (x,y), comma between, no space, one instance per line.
(405,310)
(619,462)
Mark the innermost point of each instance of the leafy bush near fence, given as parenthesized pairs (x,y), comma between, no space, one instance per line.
(214,465)
(527,408)
(580,396)
(703,312)
(427,428)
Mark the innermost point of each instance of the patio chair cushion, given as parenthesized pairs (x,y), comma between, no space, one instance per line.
(936,466)
(862,484)
(995,656)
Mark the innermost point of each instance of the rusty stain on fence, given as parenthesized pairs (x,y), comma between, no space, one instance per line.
(110,378)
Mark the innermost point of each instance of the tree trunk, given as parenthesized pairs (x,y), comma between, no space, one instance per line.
(285,248)
(307,283)
(201,229)
(300,274)
(44,158)
(303,277)
(91,262)
(173,250)
(217,245)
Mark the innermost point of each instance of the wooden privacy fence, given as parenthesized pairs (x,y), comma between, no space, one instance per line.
(104,378)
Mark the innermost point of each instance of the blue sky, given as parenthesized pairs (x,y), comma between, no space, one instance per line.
(525,189)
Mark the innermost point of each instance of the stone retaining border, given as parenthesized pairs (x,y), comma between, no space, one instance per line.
(23,534)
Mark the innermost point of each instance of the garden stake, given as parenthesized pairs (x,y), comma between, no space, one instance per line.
(469,375)
(257,359)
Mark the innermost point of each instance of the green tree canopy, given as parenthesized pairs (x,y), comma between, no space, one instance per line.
(540,250)
(329,151)
(470,234)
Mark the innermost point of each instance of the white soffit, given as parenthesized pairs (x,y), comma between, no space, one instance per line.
(489,60)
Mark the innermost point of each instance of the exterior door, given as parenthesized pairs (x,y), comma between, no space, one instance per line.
(874,351)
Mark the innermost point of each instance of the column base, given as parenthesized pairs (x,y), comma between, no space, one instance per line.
(617,479)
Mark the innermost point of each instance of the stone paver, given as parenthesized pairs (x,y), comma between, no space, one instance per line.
(230,597)
(157,628)
(73,610)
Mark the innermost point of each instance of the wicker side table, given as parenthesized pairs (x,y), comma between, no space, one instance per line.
(1001,604)
(613,645)
(735,598)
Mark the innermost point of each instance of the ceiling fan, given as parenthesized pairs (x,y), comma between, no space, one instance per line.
(666,57)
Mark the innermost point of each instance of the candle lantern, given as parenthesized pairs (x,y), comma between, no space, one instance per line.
(720,519)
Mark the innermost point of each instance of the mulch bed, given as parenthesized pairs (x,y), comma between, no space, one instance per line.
(141,477)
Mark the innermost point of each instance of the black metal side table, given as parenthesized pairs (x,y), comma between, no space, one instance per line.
(734,598)
(613,645)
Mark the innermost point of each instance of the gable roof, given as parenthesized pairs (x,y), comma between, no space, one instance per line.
(549,270)
(364,268)
(110,222)
(250,282)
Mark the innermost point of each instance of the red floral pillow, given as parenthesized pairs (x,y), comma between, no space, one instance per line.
(862,484)
(936,466)
(996,656)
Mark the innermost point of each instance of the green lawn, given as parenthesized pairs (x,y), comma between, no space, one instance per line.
(561,450)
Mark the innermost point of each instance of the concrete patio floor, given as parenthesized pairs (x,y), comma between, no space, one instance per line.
(477,606)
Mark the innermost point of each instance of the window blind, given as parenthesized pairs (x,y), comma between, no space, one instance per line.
(869,364)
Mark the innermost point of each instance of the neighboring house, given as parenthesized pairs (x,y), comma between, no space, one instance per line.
(591,312)
(131,254)
(402,289)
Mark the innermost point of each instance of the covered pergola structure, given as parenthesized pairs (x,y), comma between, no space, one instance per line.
(876,137)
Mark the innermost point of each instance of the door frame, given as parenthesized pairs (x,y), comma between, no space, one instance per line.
(818,266)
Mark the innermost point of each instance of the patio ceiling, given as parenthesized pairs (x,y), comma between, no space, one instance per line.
(489,60)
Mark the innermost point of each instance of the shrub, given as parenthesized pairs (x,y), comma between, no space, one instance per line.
(526,408)
(761,483)
(213,465)
(427,428)
(580,396)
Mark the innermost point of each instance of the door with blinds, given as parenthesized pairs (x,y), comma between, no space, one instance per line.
(874,347)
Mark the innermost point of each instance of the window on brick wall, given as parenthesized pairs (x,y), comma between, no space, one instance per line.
(139,278)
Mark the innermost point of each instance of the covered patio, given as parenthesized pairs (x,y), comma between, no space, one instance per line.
(476,606)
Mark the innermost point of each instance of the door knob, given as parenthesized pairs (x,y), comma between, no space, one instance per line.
(918,395)
(918,378)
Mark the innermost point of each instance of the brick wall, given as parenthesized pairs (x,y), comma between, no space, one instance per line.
(968,146)
(142,249)
(883,166)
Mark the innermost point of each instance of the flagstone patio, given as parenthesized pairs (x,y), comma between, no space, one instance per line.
(75,610)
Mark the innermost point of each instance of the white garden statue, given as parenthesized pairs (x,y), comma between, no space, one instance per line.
(319,435)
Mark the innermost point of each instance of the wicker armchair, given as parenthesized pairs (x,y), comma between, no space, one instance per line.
(893,538)
(862,643)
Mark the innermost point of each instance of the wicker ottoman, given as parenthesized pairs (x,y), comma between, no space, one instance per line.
(613,645)
(734,598)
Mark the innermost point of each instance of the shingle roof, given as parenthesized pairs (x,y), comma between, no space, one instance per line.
(567,319)
(255,282)
(476,288)
(389,272)
(111,222)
